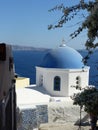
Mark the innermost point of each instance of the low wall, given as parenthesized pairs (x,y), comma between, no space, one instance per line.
(29,118)
(64,112)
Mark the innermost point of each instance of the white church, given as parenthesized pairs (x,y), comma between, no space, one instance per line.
(61,69)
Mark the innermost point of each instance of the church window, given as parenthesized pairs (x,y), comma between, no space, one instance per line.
(41,80)
(57,81)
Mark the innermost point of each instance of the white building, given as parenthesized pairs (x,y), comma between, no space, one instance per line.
(48,100)
(61,69)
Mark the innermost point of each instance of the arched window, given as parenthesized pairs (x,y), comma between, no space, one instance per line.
(57,82)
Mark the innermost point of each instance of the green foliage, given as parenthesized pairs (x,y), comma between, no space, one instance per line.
(90,22)
(87,99)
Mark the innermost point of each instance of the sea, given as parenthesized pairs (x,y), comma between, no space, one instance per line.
(25,62)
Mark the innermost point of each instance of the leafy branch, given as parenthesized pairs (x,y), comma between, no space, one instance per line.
(90,22)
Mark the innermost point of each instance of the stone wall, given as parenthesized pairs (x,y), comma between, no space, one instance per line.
(30,118)
(42,114)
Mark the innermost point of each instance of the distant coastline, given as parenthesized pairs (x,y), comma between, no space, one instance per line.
(27,48)
(20,48)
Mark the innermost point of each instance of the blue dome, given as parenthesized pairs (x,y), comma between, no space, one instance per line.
(63,57)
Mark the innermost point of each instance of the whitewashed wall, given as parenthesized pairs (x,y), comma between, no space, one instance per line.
(45,78)
(83,74)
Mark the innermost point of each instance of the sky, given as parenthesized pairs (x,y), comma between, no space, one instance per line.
(25,22)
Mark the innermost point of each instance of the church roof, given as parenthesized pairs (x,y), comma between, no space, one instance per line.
(63,57)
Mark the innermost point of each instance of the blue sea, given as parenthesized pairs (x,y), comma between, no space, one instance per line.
(25,62)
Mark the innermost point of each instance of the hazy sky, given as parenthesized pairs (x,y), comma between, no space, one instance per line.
(25,22)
